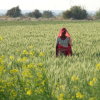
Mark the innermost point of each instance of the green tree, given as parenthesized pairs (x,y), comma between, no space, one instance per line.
(35,14)
(14,12)
(67,14)
(78,12)
(75,12)
(47,14)
(97,14)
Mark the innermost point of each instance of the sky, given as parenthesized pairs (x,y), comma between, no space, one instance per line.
(90,5)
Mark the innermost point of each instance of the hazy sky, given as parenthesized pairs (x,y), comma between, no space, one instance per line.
(91,5)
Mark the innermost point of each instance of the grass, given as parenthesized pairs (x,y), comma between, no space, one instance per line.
(29,69)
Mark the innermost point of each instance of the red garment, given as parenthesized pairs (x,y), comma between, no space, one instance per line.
(67,51)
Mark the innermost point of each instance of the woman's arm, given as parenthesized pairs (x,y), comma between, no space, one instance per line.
(70,41)
(57,47)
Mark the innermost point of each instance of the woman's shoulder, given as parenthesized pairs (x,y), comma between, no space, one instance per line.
(68,38)
(58,38)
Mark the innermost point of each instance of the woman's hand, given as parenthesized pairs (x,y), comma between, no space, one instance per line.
(56,50)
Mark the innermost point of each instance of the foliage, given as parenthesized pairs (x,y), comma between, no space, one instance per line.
(67,14)
(75,12)
(29,69)
(14,12)
(47,14)
(97,14)
(35,14)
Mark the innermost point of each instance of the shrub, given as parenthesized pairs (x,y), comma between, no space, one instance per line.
(35,14)
(97,14)
(48,14)
(75,12)
(14,12)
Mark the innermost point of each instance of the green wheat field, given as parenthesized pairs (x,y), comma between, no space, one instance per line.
(29,69)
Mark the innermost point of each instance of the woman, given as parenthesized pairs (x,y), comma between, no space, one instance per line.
(64,43)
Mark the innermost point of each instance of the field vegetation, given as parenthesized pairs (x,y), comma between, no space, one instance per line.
(29,69)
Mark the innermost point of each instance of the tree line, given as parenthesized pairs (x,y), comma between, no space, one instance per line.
(75,12)
(16,12)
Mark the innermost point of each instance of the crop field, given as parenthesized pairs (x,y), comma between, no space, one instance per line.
(29,69)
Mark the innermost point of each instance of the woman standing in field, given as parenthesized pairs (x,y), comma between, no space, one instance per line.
(64,43)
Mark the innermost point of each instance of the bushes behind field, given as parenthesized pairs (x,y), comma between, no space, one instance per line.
(76,12)
(14,12)
(97,15)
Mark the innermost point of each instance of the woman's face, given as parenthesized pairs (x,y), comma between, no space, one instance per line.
(63,33)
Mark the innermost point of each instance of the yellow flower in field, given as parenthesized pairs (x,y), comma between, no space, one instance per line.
(29,92)
(1,60)
(43,82)
(62,87)
(94,79)
(61,96)
(92,98)
(31,53)
(1,68)
(30,66)
(13,93)
(41,54)
(92,82)
(74,78)
(40,64)
(24,59)
(1,38)
(11,57)
(73,97)
(25,52)
(14,71)
(26,73)
(79,95)
(2,90)
(39,74)
(30,47)
(98,67)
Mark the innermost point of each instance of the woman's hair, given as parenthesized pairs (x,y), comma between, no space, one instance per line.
(63,29)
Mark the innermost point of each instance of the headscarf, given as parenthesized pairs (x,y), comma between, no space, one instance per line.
(63,30)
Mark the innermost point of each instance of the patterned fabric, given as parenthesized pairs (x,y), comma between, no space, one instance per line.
(63,42)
